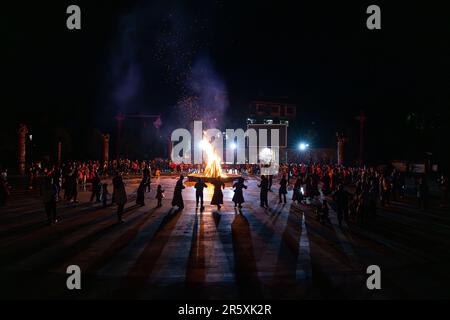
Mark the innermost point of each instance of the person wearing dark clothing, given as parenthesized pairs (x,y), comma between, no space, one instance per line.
(56,175)
(264,185)
(308,188)
(96,188)
(177,194)
(48,194)
(297,193)
(422,193)
(326,189)
(401,185)
(443,187)
(270,182)
(4,191)
(283,189)
(372,200)
(72,185)
(31,177)
(199,186)
(238,197)
(140,194)
(314,188)
(146,178)
(322,212)
(217,198)
(341,197)
(159,195)
(395,183)
(105,194)
(385,191)
(120,197)
(115,182)
(67,187)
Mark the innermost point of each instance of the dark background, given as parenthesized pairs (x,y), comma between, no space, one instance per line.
(143,56)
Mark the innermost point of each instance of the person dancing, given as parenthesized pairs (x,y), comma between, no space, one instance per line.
(238,197)
(217,198)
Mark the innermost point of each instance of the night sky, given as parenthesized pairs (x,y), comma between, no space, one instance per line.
(145,56)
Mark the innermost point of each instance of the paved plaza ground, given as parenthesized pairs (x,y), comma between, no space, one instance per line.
(277,253)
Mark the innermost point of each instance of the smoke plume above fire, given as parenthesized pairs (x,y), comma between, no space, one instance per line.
(161,53)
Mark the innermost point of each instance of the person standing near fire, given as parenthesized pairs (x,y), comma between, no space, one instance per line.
(177,194)
(217,198)
(238,197)
(199,186)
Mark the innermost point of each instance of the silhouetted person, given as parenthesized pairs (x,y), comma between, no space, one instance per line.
(146,177)
(395,183)
(443,187)
(238,197)
(115,182)
(159,195)
(72,187)
(341,197)
(264,185)
(297,195)
(217,198)
(199,186)
(140,193)
(372,197)
(120,198)
(422,193)
(4,191)
(48,194)
(56,175)
(326,189)
(177,194)
(96,188)
(385,191)
(105,194)
(283,189)
(323,212)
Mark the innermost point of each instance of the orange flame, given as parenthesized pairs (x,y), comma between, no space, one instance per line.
(213,165)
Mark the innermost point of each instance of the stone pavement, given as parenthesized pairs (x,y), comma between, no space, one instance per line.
(161,253)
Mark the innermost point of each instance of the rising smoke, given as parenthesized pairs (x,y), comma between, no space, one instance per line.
(161,53)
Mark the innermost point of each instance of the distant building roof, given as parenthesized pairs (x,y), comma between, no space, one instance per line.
(273,109)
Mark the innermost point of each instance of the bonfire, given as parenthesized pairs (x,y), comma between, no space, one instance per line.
(213,167)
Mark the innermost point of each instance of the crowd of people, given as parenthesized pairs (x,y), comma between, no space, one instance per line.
(353,192)
(85,170)
(369,186)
